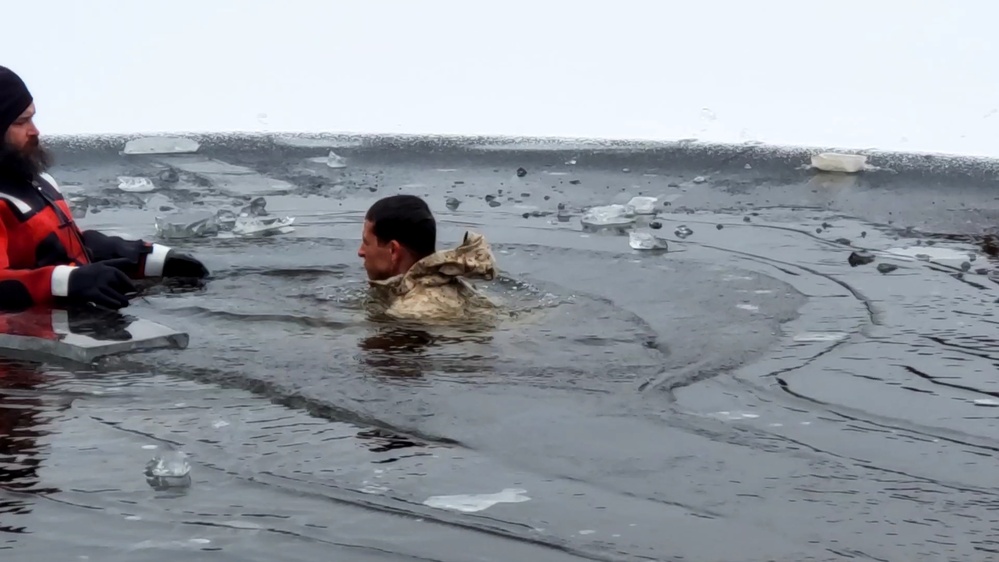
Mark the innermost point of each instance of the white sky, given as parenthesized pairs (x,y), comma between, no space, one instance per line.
(915,75)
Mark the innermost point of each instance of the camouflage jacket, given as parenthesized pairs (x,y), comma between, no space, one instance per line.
(437,287)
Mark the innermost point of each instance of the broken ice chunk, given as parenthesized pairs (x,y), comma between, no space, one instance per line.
(161,145)
(925,253)
(187,225)
(310,141)
(169,176)
(168,470)
(609,215)
(262,226)
(862,257)
(469,503)
(224,176)
(256,208)
(335,161)
(645,241)
(225,219)
(135,184)
(562,214)
(644,205)
(836,162)
(78,206)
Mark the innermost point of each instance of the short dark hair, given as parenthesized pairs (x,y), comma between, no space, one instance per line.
(407,220)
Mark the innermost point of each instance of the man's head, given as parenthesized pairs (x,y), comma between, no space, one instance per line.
(398,231)
(20,150)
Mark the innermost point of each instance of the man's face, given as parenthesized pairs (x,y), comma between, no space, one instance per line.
(380,260)
(22,135)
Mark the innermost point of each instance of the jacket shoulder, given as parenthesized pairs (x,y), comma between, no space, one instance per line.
(50,180)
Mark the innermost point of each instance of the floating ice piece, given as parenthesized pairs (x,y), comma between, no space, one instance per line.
(989,402)
(838,162)
(256,208)
(609,215)
(861,257)
(135,184)
(161,145)
(169,469)
(562,213)
(374,489)
(306,141)
(645,241)
(81,337)
(223,175)
(169,464)
(225,219)
(187,225)
(930,252)
(262,226)
(335,161)
(819,336)
(644,205)
(469,503)
(739,415)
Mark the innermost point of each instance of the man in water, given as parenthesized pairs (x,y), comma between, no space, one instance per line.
(409,278)
(44,257)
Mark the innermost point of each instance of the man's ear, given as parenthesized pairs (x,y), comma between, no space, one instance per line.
(396,249)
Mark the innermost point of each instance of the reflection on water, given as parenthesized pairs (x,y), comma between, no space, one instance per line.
(393,352)
(392,340)
(398,351)
(22,421)
(383,441)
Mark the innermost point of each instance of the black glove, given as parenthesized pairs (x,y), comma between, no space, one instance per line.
(177,264)
(103,283)
(103,247)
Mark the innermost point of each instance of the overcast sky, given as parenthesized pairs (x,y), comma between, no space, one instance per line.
(895,74)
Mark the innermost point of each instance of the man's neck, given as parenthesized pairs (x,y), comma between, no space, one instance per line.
(404,267)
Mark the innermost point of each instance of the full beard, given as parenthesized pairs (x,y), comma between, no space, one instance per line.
(26,163)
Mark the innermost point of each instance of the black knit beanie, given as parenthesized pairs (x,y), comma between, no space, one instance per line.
(14,98)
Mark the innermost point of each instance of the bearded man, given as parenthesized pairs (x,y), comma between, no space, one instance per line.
(45,259)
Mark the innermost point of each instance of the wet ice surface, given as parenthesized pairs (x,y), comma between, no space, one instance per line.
(745,395)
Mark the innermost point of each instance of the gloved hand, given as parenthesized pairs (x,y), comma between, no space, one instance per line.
(103,283)
(177,264)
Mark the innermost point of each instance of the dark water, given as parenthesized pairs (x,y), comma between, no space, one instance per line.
(746,396)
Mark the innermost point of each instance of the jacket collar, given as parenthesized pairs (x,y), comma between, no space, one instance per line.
(472,259)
